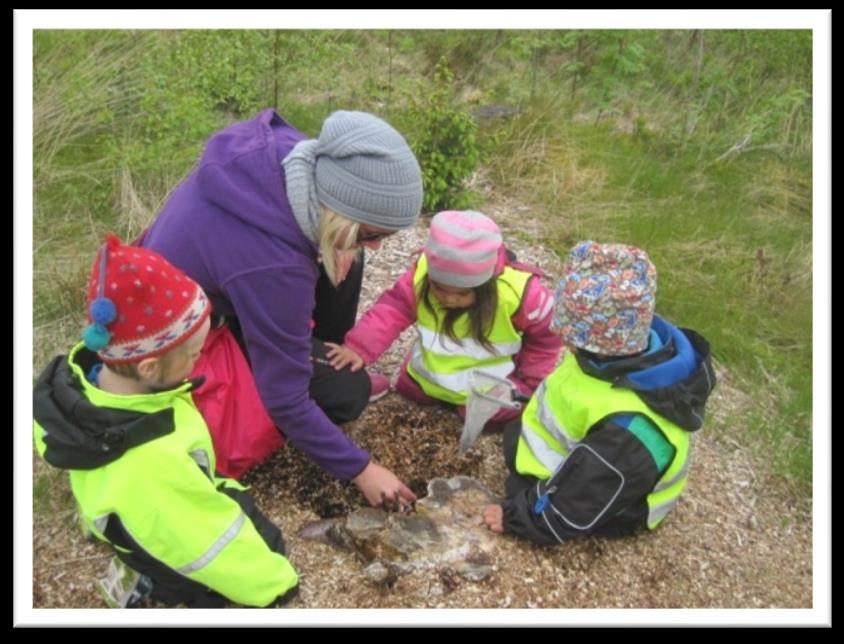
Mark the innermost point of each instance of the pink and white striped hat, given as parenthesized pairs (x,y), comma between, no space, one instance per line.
(462,248)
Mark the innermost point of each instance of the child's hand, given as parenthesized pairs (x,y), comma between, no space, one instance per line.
(493,516)
(340,356)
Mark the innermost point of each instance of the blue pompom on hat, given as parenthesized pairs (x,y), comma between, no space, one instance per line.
(102,311)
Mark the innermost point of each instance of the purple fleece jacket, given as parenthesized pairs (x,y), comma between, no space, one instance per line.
(230,227)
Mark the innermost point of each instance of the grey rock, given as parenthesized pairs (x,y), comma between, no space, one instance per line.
(380,574)
(489,112)
(445,534)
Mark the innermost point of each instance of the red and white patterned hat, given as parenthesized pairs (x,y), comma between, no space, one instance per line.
(140,305)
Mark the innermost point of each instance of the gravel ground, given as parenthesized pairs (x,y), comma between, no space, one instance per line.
(733,541)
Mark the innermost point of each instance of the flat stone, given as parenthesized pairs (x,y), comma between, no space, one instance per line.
(445,535)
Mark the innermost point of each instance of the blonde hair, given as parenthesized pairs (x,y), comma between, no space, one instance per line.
(336,232)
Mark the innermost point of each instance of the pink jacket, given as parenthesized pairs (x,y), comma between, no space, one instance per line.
(395,311)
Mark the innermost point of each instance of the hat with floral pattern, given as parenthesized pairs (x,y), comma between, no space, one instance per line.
(606,298)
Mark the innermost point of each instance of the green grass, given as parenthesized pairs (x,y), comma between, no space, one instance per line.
(733,249)
(51,493)
(120,117)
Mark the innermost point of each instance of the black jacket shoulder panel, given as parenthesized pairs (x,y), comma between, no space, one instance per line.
(684,402)
(80,435)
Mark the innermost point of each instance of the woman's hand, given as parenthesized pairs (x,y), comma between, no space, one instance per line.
(380,486)
(340,356)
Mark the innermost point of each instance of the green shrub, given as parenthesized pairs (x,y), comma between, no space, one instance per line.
(443,136)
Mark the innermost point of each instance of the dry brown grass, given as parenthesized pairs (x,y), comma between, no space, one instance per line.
(69,102)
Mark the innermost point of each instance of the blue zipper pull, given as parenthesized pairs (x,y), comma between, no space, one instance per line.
(543,501)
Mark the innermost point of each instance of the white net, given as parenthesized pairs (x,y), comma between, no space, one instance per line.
(487,394)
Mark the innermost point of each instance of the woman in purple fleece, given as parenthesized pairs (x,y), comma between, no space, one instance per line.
(271,225)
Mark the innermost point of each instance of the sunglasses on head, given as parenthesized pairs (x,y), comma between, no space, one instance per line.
(371,236)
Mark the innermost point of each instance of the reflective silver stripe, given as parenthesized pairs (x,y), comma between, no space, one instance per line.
(659,512)
(217,547)
(550,459)
(706,373)
(441,344)
(201,458)
(609,503)
(549,421)
(684,471)
(551,528)
(416,359)
(459,380)
(545,518)
(101,523)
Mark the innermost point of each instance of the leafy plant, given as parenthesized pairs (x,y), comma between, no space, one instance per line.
(444,140)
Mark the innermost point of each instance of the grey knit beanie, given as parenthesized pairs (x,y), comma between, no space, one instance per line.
(366,171)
